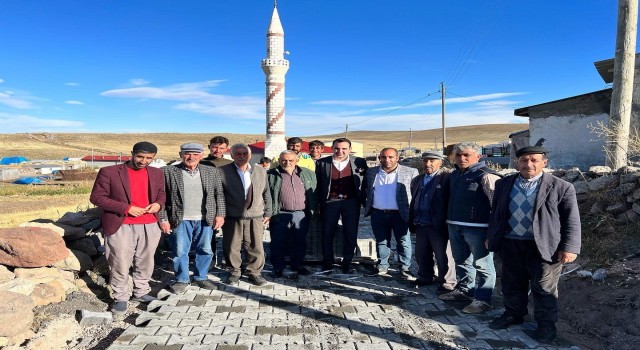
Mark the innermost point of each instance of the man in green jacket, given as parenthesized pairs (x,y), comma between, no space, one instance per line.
(293,202)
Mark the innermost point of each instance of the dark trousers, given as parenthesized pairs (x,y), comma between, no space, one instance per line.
(349,210)
(432,244)
(522,267)
(288,237)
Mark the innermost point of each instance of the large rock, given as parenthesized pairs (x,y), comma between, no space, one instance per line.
(602,182)
(629,177)
(78,218)
(16,313)
(581,187)
(55,335)
(85,245)
(572,175)
(624,189)
(617,208)
(75,261)
(50,292)
(600,170)
(18,285)
(69,232)
(39,274)
(30,247)
(5,274)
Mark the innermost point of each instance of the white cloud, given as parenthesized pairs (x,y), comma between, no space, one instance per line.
(195,97)
(72,84)
(1,81)
(25,123)
(138,82)
(9,98)
(456,100)
(72,102)
(352,103)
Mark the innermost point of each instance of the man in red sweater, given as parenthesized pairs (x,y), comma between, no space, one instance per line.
(130,196)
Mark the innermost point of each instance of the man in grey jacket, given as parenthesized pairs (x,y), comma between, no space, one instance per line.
(535,225)
(388,194)
(195,207)
(293,197)
(248,209)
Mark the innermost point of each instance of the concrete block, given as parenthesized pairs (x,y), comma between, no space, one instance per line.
(87,318)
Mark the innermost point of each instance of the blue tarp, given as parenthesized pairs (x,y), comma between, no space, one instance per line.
(28,181)
(12,160)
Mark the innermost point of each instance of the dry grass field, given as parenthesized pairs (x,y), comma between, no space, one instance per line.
(60,145)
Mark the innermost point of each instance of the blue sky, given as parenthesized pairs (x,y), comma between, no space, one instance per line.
(194,65)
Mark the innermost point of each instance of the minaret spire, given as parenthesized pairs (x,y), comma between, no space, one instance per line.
(275,67)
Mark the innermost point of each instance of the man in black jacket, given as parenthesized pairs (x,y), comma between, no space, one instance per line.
(535,225)
(428,220)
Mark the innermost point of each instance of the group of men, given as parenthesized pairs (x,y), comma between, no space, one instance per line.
(459,219)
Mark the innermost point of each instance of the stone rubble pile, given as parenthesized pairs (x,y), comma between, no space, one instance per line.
(40,264)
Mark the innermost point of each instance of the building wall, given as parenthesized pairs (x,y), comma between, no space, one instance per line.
(569,140)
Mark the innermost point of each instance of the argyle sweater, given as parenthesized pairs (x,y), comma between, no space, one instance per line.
(521,205)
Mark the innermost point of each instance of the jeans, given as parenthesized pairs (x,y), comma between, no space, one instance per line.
(475,271)
(382,224)
(189,231)
(288,237)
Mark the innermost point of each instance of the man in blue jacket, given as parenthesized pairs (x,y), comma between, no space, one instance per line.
(535,225)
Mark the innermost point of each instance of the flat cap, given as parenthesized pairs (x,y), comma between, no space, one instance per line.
(144,147)
(531,150)
(192,147)
(432,155)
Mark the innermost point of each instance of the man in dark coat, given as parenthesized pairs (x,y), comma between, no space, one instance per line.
(340,195)
(428,220)
(535,225)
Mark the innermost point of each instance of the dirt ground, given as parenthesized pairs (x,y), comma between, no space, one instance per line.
(602,315)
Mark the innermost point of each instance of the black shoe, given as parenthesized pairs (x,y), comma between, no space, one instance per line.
(546,333)
(378,271)
(206,284)
(421,282)
(258,280)
(303,271)
(119,307)
(179,287)
(504,321)
(144,299)
(233,280)
(347,269)
(443,290)
(277,273)
(407,275)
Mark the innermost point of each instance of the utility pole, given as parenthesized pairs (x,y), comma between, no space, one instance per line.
(623,72)
(346,130)
(444,130)
(410,136)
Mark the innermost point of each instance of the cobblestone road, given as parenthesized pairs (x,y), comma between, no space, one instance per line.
(318,312)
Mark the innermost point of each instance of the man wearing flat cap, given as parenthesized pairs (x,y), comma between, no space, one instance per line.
(130,196)
(428,220)
(535,225)
(195,208)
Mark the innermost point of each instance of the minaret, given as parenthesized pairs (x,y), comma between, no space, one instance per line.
(275,67)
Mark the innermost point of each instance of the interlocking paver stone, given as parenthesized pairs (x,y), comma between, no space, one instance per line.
(318,312)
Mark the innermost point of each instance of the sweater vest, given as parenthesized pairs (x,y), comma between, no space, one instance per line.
(342,182)
(469,203)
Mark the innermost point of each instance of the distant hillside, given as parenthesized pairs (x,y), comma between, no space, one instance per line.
(60,145)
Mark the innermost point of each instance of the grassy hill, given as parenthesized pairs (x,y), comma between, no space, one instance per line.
(60,145)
